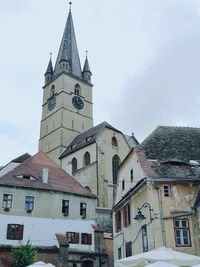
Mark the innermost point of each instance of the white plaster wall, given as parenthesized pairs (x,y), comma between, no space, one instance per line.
(41,231)
(124,174)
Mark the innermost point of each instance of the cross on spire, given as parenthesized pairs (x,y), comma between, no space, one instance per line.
(70,6)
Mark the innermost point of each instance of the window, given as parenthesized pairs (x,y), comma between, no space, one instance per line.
(86,239)
(83,210)
(114,141)
(166,190)
(128,249)
(123,185)
(119,253)
(15,231)
(131,175)
(72,237)
(182,233)
(77,89)
(115,165)
(7,201)
(86,158)
(52,92)
(144,238)
(74,165)
(29,202)
(118,221)
(65,207)
(126,215)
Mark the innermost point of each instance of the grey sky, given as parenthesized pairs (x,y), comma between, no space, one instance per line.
(144,56)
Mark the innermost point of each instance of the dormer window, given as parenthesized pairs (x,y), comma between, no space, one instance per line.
(77,89)
(52,92)
(25,176)
(114,141)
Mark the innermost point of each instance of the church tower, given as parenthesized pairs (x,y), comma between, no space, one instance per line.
(67,97)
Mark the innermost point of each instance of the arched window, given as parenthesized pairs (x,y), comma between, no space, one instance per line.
(86,158)
(77,89)
(114,141)
(115,165)
(74,165)
(52,92)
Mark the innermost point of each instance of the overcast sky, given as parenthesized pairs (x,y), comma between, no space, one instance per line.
(144,56)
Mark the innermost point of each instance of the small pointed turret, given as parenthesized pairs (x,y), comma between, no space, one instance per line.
(69,50)
(49,72)
(86,70)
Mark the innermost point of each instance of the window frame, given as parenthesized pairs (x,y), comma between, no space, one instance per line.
(118,221)
(86,159)
(15,231)
(128,249)
(73,237)
(7,200)
(65,207)
(86,239)
(83,209)
(181,229)
(127,215)
(166,190)
(29,204)
(74,163)
(114,141)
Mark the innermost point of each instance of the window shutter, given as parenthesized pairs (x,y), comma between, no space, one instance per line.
(124,216)
(9,231)
(20,232)
(76,238)
(89,239)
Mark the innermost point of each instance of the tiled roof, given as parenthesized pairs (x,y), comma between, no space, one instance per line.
(86,138)
(69,50)
(58,179)
(132,141)
(22,158)
(168,142)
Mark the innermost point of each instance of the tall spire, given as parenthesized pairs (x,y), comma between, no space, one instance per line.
(68,49)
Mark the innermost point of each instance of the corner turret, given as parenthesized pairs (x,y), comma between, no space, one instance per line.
(49,72)
(86,70)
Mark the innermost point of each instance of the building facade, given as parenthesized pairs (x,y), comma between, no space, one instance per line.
(40,204)
(156,192)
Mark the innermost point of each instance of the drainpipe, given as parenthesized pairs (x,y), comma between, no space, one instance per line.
(97,174)
(161,217)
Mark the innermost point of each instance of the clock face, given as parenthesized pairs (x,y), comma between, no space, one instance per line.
(77,102)
(52,103)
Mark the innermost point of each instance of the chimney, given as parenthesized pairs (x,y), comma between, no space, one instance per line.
(45,175)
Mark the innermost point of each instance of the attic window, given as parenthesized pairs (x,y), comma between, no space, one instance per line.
(73,146)
(88,139)
(25,176)
(114,141)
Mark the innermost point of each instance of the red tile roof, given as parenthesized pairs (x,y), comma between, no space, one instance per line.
(58,179)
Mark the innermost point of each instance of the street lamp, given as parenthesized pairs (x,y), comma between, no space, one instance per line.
(140,217)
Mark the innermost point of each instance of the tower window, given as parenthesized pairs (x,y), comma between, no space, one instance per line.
(166,190)
(114,141)
(86,158)
(77,89)
(123,185)
(115,165)
(131,175)
(52,92)
(74,165)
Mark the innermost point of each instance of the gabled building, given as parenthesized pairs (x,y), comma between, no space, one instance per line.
(41,202)
(93,158)
(157,187)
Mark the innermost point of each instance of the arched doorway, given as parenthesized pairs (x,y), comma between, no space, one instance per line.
(87,263)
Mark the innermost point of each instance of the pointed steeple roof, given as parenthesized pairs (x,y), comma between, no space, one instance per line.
(86,65)
(49,67)
(69,50)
